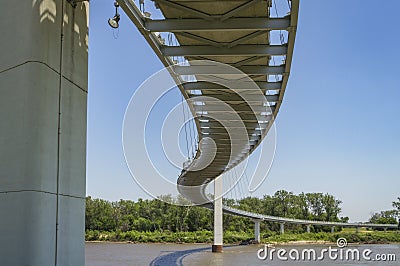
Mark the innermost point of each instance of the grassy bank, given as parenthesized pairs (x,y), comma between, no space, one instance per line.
(165,236)
(368,237)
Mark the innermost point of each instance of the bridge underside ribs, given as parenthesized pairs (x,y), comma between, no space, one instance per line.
(242,35)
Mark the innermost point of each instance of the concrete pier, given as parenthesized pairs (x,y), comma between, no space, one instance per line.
(332,229)
(257,237)
(282,228)
(218,229)
(308,228)
(43,86)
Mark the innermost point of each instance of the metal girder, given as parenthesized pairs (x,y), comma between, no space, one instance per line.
(239,50)
(263,85)
(242,114)
(259,102)
(211,92)
(227,143)
(222,137)
(247,124)
(232,135)
(228,157)
(237,99)
(250,118)
(232,24)
(226,153)
(243,146)
(223,131)
(214,70)
(263,70)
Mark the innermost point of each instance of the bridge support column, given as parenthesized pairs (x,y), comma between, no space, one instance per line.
(357,230)
(257,238)
(385,229)
(218,229)
(332,229)
(308,228)
(43,86)
(282,228)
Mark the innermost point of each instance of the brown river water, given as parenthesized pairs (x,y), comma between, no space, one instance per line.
(118,254)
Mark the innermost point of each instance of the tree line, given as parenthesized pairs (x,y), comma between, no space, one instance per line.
(157,215)
(388,216)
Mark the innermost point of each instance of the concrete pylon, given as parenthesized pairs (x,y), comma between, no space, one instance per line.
(332,229)
(218,229)
(308,228)
(257,237)
(43,86)
(282,228)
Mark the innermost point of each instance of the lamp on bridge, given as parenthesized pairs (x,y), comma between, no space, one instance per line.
(113,22)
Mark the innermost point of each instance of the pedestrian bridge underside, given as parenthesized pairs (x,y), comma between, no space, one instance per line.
(234,109)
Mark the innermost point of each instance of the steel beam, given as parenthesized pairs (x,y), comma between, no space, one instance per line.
(224,131)
(246,124)
(263,70)
(239,50)
(215,70)
(211,108)
(237,99)
(232,24)
(225,141)
(201,85)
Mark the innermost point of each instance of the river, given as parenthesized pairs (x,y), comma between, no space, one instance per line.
(121,254)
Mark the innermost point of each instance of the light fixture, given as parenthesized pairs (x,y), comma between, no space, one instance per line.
(113,22)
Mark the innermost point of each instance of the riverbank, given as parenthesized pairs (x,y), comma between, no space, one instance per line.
(232,237)
(165,236)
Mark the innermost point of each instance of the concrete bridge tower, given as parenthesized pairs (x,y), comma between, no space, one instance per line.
(43,94)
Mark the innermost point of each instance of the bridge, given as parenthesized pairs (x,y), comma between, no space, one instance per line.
(234,56)
(238,76)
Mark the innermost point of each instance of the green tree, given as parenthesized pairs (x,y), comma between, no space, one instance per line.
(396,205)
(384,217)
(99,215)
(331,207)
(315,203)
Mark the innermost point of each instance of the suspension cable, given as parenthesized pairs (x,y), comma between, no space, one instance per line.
(191,130)
(184,125)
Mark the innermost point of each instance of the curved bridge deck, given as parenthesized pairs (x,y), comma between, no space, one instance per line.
(239,33)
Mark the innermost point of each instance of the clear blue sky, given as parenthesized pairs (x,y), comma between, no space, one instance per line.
(338,128)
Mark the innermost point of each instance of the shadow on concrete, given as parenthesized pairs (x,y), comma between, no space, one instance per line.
(176,257)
